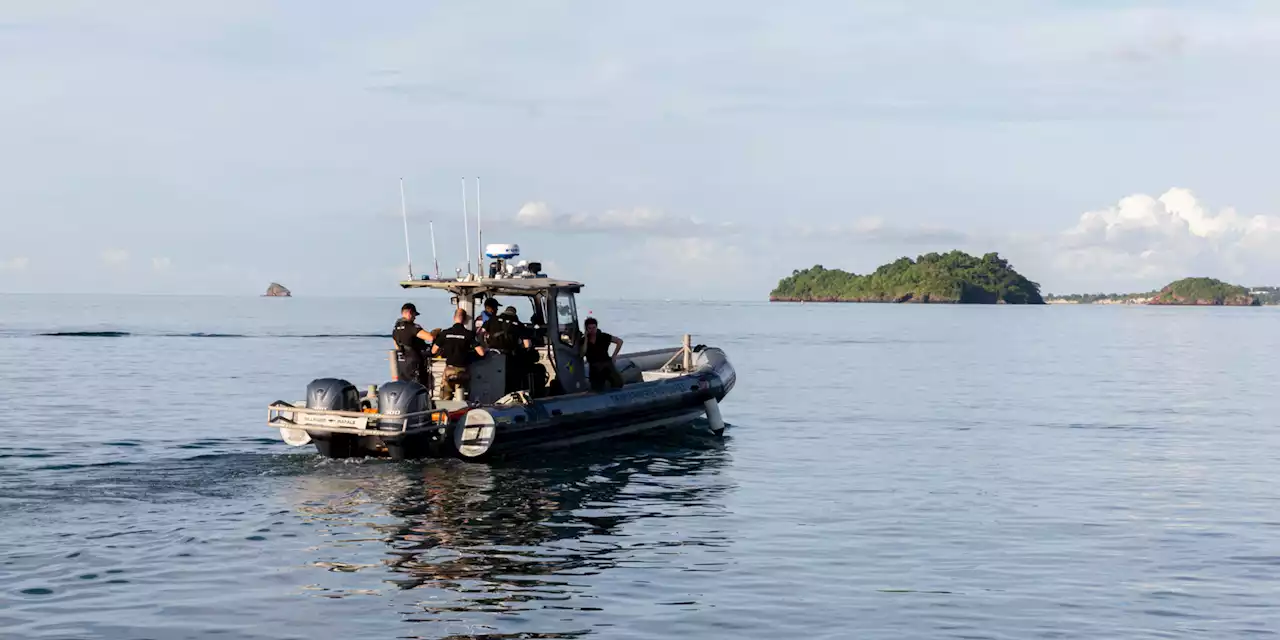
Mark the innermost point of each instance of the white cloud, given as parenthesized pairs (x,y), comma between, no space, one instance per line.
(689,264)
(161,264)
(535,215)
(18,263)
(876,229)
(641,220)
(1147,238)
(1141,242)
(115,257)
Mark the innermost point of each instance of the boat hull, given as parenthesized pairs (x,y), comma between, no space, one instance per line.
(584,417)
(494,431)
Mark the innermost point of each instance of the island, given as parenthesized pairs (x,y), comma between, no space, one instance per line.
(277,290)
(1187,292)
(1201,292)
(954,277)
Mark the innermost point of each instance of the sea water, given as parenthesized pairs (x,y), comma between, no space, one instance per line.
(889,472)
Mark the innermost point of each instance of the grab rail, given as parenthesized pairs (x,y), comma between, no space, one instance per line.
(282,416)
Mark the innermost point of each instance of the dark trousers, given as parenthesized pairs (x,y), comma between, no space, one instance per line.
(411,366)
(515,373)
(604,374)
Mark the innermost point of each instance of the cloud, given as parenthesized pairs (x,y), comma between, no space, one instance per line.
(1140,242)
(681,268)
(15,264)
(1148,238)
(637,220)
(875,229)
(115,257)
(161,264)
(683,256)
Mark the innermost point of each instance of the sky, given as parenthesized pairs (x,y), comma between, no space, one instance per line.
(651,150)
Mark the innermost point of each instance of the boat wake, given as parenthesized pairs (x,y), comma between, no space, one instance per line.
(200,334)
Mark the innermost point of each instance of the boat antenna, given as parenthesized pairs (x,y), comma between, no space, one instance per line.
(404,213)
(479,234)
(433,248)
(466,227)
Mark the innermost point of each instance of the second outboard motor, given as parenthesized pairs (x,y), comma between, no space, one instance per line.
(401,397)
(332,394)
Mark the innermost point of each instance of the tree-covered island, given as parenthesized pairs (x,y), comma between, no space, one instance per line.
(954,277)
(1204,291)
(1187,292)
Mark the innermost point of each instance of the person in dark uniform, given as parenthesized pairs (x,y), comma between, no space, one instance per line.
(412,343)
(507,335)
(594,346)
(490,312)
(538,329)
(458,346)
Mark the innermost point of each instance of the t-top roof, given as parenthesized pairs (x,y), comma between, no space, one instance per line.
(503,286)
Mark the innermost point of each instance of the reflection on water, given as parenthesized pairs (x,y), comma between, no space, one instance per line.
(484,542)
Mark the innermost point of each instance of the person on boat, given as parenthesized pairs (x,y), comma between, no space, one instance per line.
(538,328)
(505,334)
(458,346)
(490,312)
(594,346)
(412,343)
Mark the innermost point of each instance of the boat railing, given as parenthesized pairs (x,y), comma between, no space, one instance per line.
(685,352)
(286,416)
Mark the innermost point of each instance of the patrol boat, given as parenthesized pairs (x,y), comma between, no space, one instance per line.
(402,419)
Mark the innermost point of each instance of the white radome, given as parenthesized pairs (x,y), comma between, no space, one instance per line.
(501,251)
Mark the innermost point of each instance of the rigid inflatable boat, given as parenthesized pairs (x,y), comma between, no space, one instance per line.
(403,419)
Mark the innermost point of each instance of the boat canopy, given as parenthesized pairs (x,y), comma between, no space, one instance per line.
(497,286)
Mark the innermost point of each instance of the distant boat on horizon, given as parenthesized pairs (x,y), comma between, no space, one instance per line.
(277,290)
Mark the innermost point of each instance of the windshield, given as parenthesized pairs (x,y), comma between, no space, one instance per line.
(567,318)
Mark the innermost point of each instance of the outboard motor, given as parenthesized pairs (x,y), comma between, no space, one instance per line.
(332,394)
(335,394)
(401,397)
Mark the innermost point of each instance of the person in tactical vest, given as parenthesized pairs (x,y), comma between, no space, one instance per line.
(412,343)
(505,334)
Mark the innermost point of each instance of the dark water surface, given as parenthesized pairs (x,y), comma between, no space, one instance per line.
(890,472)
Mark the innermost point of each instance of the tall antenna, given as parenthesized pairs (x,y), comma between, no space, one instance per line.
(479,234)
(404,213)
(433,248)
(466,227)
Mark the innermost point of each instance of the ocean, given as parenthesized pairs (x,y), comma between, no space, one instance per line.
(889,472)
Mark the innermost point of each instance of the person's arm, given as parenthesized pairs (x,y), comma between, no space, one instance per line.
(617,346)
(426,337)
(480,351)
(435,349)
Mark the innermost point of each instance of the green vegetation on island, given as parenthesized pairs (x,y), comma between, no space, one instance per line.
(1184,292)
(954,277)
(1204,291)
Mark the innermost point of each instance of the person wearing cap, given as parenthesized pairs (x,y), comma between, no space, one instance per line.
(412,343)
(505,334)
(490,312)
